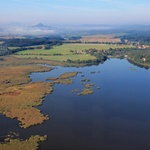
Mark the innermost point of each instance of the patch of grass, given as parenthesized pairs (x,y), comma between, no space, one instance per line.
(64,52)
(68,75)
(19,101)
(18,97)
(86,91)
(60,58)
(14,61)
(17,144)
(15,75)
(89,85)
(64,78)
(65,49)
(63,81)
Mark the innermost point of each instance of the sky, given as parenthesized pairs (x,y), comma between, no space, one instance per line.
(75,11)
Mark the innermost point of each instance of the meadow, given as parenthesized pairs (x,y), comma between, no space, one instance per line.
(65,51)
(60,58)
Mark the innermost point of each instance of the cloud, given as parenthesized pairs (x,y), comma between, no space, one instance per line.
(28,31)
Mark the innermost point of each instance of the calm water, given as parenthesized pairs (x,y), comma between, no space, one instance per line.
(116,117)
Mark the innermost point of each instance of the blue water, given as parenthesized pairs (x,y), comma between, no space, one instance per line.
(116,117)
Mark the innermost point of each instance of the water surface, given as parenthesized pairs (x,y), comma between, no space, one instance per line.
(115,117)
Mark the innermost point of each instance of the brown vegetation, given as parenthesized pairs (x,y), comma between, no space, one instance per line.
(18,102)
(86,91)
(63,81)
(17,96)
(15,75)
(89,85)
(24,61)
(64,78)
(100,38)
(17,144)
(68,75)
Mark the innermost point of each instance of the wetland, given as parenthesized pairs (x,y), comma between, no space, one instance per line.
(90,93)
(115,115)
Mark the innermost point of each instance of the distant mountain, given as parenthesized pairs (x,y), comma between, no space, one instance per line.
(41,26)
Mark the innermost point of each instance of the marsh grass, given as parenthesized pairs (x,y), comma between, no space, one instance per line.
(86,91)
(64,78)
(63,81)
(19,101)
(18,97)
(68,75)
(17,144)
(89,85)
(16,75)
(10,60)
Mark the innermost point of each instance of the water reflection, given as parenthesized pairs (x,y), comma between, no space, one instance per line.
(116,117)
(113,118)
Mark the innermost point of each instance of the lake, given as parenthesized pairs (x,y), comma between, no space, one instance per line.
(114,117)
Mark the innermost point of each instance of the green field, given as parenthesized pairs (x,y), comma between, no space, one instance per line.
(63,52)
(58,57)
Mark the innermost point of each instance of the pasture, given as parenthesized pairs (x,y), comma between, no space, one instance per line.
(64,52)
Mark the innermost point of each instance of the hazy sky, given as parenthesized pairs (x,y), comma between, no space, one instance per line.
(75,11)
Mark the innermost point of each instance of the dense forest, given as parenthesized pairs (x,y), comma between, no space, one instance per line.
(20,44)
(141,37)
(23,42)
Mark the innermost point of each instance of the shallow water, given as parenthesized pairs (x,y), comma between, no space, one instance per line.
(115,117)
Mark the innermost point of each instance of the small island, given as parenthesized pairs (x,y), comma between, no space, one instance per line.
(12,142)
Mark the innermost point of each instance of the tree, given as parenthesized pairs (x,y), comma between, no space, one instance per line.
(48,46)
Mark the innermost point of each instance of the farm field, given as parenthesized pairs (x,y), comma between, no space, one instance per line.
(100,38)
(57,57)
(64,52)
